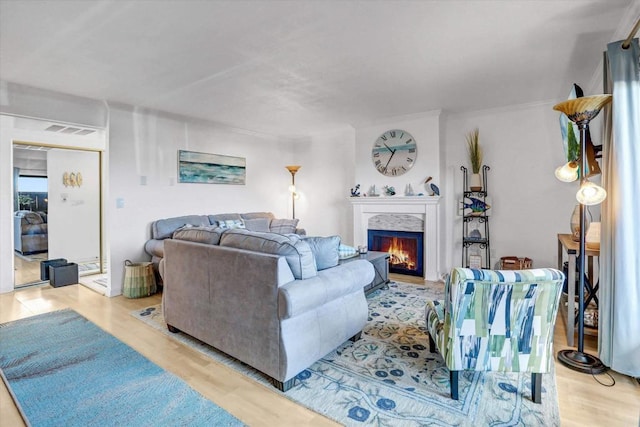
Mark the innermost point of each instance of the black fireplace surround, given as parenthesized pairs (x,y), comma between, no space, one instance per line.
(405,247)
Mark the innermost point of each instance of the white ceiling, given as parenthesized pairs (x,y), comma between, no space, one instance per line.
(291,68)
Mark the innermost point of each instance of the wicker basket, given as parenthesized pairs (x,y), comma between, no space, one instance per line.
(139,280)
(515,263)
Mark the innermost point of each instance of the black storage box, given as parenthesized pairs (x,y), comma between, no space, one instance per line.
(63,275)
(44,266)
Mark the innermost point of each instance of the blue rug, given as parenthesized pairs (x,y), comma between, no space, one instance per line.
(389,377)
(63,370)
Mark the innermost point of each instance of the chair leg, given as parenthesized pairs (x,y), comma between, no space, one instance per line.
(432,344)
(356,337)
(536,387)
(453,379)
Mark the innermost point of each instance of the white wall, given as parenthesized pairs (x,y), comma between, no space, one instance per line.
(522,145)
(142,176)
(143,149)
(324,181)
(74,211)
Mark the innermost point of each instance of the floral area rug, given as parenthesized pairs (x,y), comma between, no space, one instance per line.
(389,377)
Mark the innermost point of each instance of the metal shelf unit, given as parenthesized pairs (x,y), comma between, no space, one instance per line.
(480,219)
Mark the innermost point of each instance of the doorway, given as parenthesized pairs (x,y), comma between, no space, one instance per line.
(60,218)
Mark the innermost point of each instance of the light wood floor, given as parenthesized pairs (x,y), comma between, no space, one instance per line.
(582,400)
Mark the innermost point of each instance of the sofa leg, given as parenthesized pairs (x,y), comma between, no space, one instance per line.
(453,379)
(536,387)
(356,337)
(173,329)
(283,386)
(432,344)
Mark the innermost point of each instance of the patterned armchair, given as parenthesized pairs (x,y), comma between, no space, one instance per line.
(498,320)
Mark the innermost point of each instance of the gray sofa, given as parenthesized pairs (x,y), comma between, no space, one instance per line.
(277,302)
(30,232)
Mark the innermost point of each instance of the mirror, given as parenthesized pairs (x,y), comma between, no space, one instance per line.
(56,210)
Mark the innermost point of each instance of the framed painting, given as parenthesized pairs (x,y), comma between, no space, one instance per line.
(204,168)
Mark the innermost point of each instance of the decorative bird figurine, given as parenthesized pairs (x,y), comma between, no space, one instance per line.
(477,206)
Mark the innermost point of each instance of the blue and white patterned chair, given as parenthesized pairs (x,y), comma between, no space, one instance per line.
(498,320)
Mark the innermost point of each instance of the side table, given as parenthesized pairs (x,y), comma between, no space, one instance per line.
(565,243)
(380,261)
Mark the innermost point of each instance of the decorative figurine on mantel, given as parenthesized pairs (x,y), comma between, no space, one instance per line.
(355,192)
(389,191)
(372,192)
(408,190)
(431,188)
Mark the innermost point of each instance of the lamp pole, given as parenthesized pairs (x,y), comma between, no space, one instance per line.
(582,126)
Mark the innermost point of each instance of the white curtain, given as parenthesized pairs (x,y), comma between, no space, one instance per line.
(619,323)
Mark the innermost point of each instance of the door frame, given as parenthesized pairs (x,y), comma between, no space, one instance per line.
(15,129)
(100,153)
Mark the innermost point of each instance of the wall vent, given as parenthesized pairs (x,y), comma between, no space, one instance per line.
(70,130)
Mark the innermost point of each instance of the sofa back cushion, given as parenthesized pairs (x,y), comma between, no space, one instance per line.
(283,226)
(325,250)
(215,219)
(164,228)
(257,224)
(30,218)
(255,215)
(208,235)
(296,251)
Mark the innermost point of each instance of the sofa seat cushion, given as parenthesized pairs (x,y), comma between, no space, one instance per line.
(300,296)
(164,228)
(296,251)
(208,235)
(325,250)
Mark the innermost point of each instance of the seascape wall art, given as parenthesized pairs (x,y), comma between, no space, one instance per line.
(204,168)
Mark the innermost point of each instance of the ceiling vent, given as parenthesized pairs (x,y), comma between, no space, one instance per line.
(70,130)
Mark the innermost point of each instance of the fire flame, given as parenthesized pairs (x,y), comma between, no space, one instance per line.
(401,256)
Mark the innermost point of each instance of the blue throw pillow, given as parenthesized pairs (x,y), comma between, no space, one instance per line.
(325,250)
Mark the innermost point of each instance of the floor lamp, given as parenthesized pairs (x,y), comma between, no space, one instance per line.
(292,188)
(581,111)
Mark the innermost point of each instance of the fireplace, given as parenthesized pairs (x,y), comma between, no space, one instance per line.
(404,248)
(401,213)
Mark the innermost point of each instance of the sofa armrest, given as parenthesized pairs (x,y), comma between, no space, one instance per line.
(301,296)
(154,247)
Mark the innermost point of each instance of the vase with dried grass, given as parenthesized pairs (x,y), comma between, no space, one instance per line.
(475,157)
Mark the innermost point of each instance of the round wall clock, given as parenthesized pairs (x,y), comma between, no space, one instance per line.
(394,152)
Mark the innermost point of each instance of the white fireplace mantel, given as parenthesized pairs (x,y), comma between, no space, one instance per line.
(424,207)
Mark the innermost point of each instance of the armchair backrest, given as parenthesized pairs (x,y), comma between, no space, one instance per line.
(501,320)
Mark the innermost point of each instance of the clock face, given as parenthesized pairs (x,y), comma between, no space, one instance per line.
(394,152)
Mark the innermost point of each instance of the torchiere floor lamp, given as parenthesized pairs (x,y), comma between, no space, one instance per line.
(581,111)
(292,187)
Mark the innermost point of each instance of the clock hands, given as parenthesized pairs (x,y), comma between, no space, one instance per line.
(389,148)
(390,157)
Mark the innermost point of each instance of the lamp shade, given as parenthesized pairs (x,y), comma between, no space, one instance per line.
(584,108)
(591,194)
(568,172)
(293,169)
